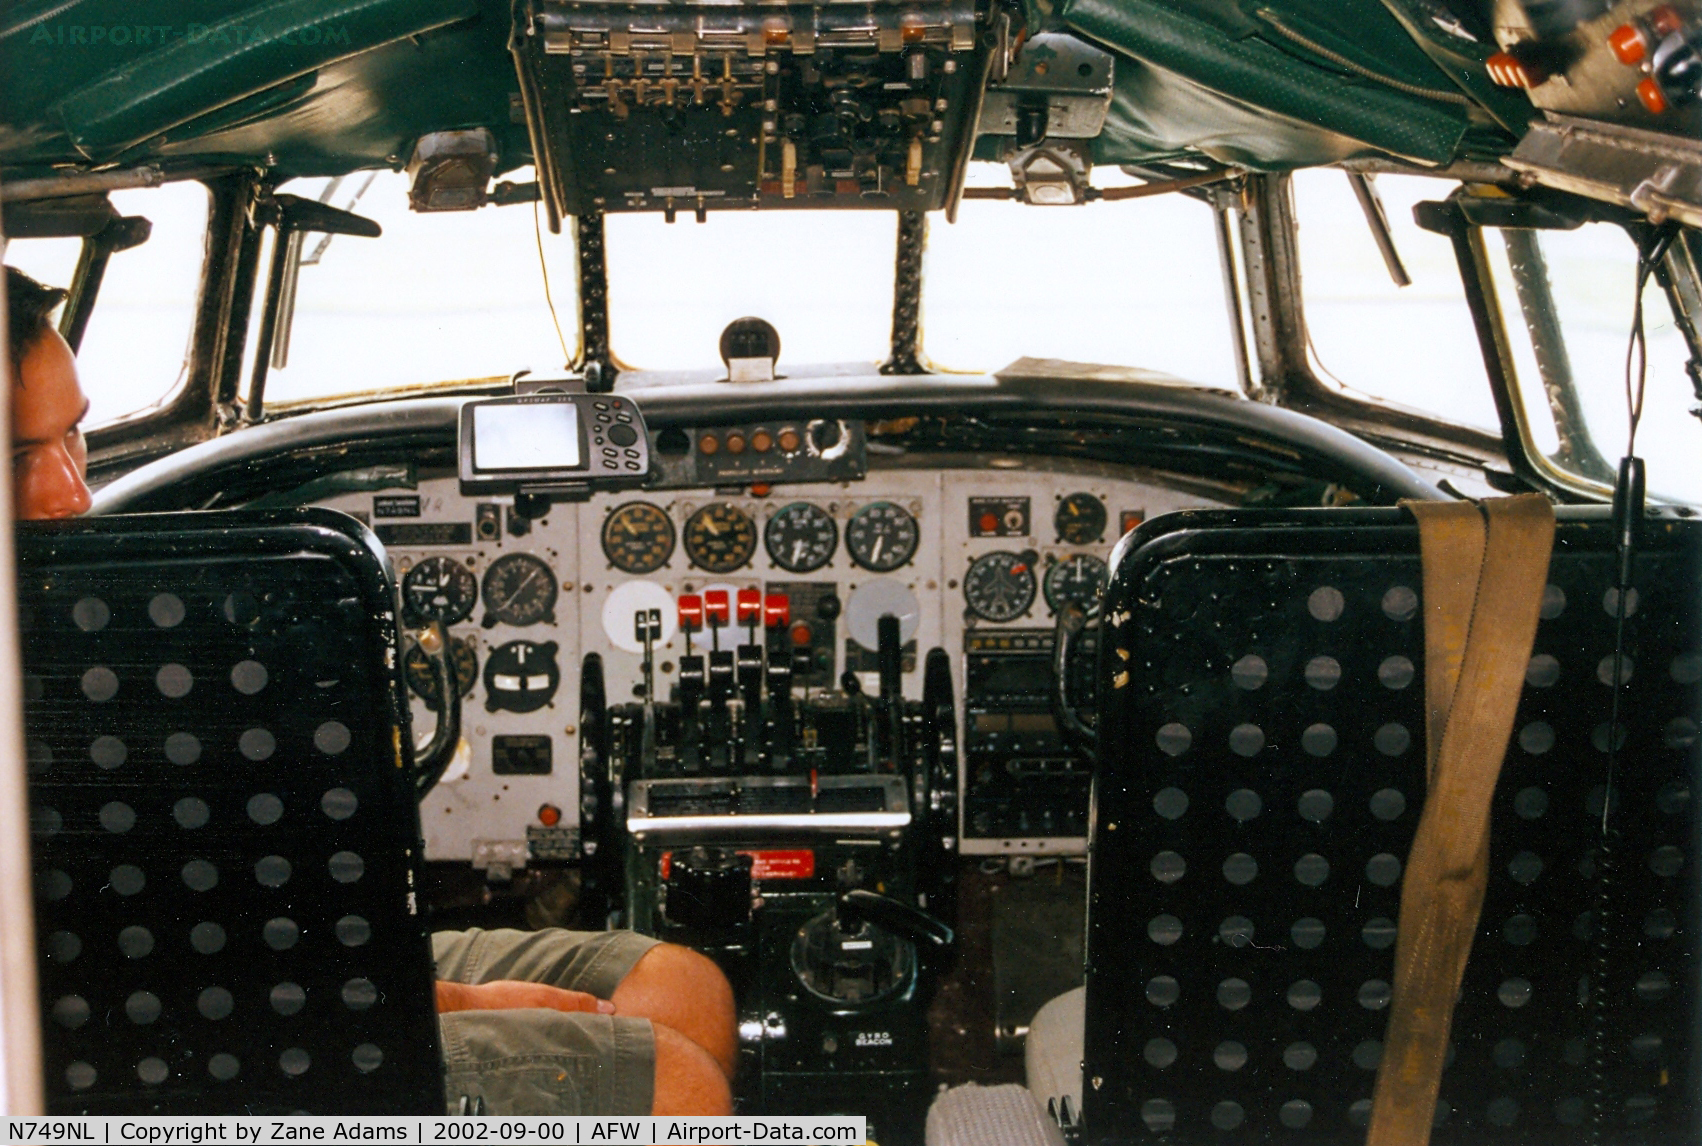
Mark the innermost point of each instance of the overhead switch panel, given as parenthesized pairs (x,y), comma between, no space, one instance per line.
(704,106)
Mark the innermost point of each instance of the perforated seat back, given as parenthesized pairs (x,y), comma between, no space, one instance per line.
(1262,776)
(224,831)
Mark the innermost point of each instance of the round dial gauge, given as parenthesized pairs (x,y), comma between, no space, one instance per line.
(881,536)
(1000,586)
(418,669)
(439,589)
(801,537)
(638,538)
(1075,581)
(1080,519)
(519,590)
(720,537)
(521,676)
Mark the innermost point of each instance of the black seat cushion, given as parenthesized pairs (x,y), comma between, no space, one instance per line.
(1262,776)
(225,834)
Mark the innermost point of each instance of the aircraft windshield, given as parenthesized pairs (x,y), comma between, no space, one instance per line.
(437,298)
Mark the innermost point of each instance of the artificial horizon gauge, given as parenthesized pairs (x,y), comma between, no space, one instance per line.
(720,537)
(1076,580)
(1000,586)
(521,676)
(1080,519)
(638,538)
(801,537)
(417,668)
(881,536)
(439,589)
(519,590)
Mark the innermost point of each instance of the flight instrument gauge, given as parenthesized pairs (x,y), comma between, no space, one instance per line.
(521,676)
(881,536)
(1080,519)
(1000,586)
(638,538)
(1075,581)
(439,589)
(519,590)
(801,537)
(421,679)
(720,537)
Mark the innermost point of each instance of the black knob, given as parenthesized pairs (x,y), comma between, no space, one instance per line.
(709,888)
(825,434)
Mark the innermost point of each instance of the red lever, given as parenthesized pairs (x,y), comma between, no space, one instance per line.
(776,610)
(1510,70)
(715,605)
(1649,91)
(750,606)
(1631,43)
(691,612)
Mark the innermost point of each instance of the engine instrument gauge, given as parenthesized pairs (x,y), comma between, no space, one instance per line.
(439,589)
(801,537)
(638,538)
(881,536)
(720,537)
(418,669)
(519,590)
(521,676)
(1077,580)
(1000,586)
(1080,519)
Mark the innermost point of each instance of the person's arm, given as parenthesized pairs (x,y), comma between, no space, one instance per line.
(510,994)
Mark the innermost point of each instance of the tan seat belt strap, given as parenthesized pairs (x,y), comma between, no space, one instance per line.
(1483,589)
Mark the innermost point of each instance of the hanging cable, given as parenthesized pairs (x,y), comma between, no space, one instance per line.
(1628,497)
(1630,489)
(543,267)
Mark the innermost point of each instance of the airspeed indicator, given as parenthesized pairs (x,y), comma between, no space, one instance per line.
(519,590)
(801,537)
(881,536)
(1076,580)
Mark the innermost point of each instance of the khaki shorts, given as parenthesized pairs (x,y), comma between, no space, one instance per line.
(534,1061)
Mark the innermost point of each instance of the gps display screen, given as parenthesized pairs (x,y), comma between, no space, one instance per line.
(528,436)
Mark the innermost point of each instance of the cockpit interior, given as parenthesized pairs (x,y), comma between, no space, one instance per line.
(956,510)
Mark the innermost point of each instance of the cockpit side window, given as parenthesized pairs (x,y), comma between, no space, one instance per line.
(1566,300)
(134,351)
(1413,345)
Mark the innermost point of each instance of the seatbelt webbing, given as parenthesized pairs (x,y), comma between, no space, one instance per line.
(1485,567)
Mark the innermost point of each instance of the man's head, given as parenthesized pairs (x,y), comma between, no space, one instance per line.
(49,457)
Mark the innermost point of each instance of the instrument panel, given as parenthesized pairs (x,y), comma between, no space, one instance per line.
(975,559)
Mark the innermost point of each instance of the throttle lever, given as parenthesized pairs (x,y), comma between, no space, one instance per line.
(899,918)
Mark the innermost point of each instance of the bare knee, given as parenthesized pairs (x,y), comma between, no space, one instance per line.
(688,1080)
(685,991)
